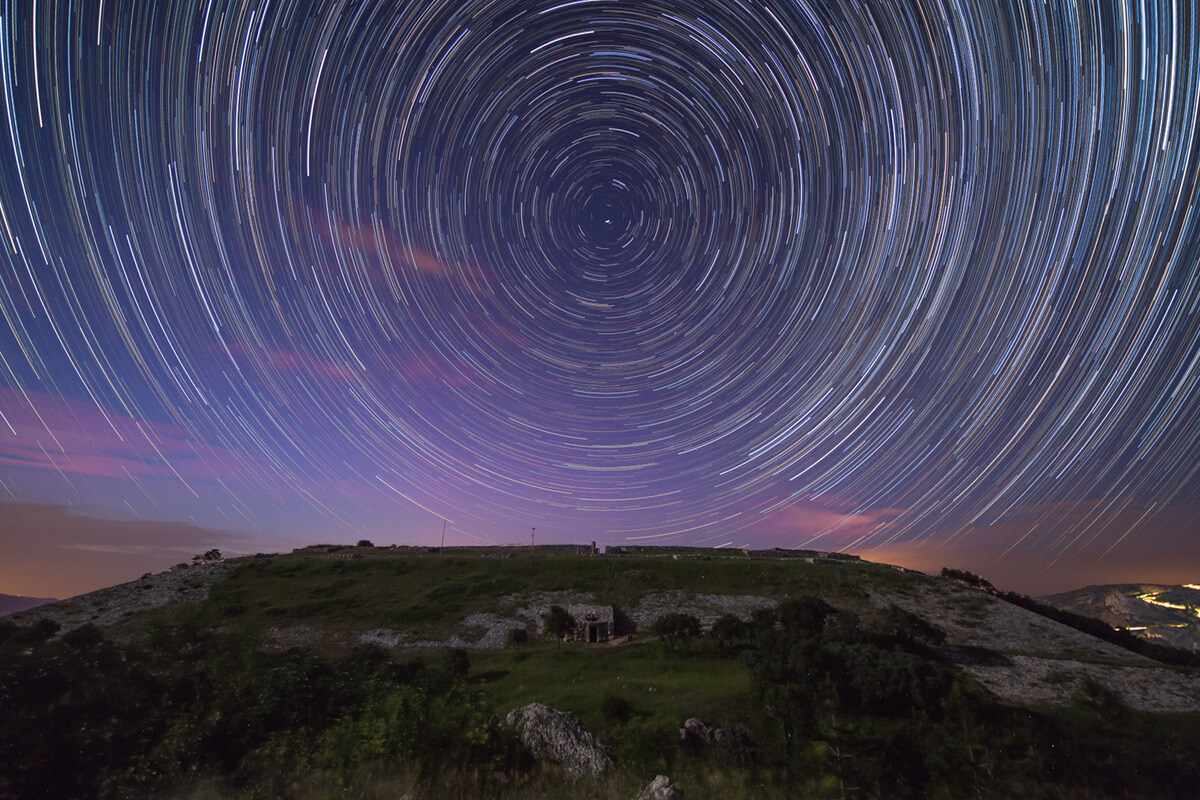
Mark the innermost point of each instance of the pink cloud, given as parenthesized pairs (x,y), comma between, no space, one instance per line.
(46,432)
(382,250)
(806,519)
(291,362)
(428,371)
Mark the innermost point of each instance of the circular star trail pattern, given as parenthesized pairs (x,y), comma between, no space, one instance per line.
(652,269)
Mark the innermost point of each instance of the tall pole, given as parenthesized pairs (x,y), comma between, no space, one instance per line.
(443,534)
(532,531)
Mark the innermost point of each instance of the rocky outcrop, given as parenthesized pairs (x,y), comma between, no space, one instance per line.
(705,607)
(560,738)
(661,788)
(696,732)
(1039,661)
(107,607)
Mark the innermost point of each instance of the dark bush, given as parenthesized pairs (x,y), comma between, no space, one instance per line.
(805,614)
(558,622)
(84,638)
(517,638)
(40,631)
(455,663)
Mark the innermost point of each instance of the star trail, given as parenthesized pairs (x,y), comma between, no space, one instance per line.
(721,273)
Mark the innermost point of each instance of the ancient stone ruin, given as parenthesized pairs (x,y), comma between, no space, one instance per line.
(592,623)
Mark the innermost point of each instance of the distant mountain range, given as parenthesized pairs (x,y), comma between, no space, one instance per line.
(1166,614)
(11,604)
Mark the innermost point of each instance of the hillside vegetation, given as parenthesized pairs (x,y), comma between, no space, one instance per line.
(325,674)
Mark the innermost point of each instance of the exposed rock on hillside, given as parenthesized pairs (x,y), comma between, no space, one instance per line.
(1040,660)
(696,732)
(107,607)
(661,788)
(489,630)
(705,607)
(560,738)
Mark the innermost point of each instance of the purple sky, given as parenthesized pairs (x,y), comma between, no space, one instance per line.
(916,283)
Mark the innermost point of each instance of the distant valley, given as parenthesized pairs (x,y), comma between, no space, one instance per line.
(11,604)
(1165,614)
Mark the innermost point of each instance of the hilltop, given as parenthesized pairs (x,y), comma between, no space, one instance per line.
(897,653)
(333,597)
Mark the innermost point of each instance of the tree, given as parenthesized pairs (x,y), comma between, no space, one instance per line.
(558,622)
(805,614)
(364,543)
(209,557)
(675,629)
(727,630)
(517,637)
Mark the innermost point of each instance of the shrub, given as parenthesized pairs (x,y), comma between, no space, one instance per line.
(455,663)
(805,614)
(969,578)
(904,627)
(558,622)
(516,638)
(736,747)
(40,631)
(84,638)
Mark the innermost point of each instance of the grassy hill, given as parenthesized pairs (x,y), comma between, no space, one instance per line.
(384,671)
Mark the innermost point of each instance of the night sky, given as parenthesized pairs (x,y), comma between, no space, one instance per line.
(918,281)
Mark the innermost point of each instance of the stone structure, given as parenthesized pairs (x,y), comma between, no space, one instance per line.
(592,623)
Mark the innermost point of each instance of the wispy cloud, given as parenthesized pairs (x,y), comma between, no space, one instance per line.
(820,522)
(387,256)
(47,432)
(292,362)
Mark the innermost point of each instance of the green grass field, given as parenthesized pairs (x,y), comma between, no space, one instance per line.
(430,593)
(575,678)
